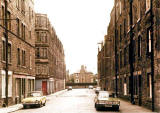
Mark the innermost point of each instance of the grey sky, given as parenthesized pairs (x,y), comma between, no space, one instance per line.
(80,25)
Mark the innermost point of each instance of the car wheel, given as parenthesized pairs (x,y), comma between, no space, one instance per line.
(24,106)
(44,103)
(40,105)
(95,105)
(97,108)
(118,109)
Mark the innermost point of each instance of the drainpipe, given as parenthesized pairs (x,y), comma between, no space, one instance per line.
(131,53)
(6,37)
(116,66)
(152,54)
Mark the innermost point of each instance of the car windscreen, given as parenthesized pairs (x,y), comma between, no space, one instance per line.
(36,94)
(103,95)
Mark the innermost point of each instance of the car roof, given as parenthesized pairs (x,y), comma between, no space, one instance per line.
(36,92)
(109,92)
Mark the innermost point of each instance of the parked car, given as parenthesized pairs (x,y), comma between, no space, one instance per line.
(90,87)
(69,88)
(35,98)
(107,100)
(97,90)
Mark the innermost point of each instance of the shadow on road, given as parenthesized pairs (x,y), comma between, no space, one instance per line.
(107,110)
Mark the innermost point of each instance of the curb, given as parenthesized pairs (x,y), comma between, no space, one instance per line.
(20,106)
(11,108)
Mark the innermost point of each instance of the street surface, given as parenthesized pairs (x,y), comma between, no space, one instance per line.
(78,101)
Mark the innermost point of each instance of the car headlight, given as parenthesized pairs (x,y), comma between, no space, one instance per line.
(116,102)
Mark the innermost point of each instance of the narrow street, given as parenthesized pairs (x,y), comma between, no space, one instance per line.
(77,101)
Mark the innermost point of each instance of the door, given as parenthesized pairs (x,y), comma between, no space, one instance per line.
(44,87)
(140,89)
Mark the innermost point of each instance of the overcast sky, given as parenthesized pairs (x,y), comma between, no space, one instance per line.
(80,25)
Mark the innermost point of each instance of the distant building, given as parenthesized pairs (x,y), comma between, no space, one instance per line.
(83,76)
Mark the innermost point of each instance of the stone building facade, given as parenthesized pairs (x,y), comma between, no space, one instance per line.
(21,52)
(50,64)
(83,76)
(138,25)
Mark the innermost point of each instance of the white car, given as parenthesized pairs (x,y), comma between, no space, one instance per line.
(69,88)
(90,87)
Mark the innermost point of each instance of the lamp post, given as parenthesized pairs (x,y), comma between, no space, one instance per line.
(152,54)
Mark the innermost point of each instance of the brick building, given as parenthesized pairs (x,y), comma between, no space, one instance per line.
(134,33)
(50,64)
(21,53)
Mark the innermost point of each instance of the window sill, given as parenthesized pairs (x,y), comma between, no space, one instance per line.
(23,66)
(138,20)
(9,63)
(147,11)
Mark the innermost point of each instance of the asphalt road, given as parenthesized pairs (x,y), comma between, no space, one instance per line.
(78,101)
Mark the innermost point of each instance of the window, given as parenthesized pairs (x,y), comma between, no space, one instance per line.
(29,14)
(18,57)
(120,9)
(139,10)
(139,46)
(3,16)
(120,33)
(38,37)
(30,34)
(23,31)
(148,41)
(9,53)
(148,5)
(4,51)
(18,30)
(38,70)
(9,22)
(23,6)
(44,37)
(120,59)
(23,58)
(125,58)
(17,4)
(44,53)
(135,82)
(124,4)
(124,28)
(30,61)
(38,53)
(23,86)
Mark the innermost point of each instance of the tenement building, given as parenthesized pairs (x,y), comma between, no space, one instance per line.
(134,65)
(49,58)
(21,50)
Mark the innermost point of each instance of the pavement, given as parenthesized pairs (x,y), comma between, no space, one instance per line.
(20,106)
